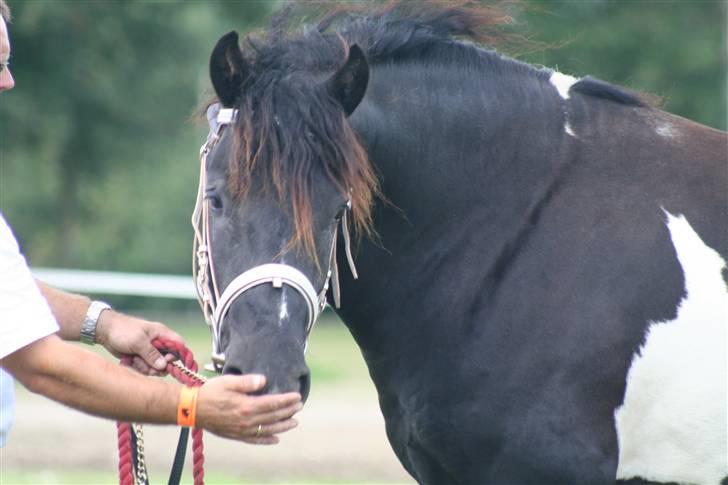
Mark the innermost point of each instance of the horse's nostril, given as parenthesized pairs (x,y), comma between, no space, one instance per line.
(232,370)
(304,385)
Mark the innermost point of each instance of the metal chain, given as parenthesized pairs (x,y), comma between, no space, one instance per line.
(189,372)
(141,469)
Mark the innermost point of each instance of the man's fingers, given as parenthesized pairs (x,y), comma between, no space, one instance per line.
(152,357)
(278,415)
(250,383)
(162,331)
(140,366)
(246,383)
(264,435)
(263,440)
(150,353)
(275,428)
(271,403)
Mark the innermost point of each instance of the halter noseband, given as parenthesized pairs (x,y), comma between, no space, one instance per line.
(214,304)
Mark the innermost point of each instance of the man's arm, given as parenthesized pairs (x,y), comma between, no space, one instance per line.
(83,380)
(120,334)
(80,379)
(68,309)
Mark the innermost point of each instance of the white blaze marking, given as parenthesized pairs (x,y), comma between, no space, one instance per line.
(562,83)
(672,426)
(568,130)
(283,313)
(666,130)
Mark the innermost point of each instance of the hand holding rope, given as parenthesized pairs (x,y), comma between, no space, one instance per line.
(132,466)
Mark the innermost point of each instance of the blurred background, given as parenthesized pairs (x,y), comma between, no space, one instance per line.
(98,171)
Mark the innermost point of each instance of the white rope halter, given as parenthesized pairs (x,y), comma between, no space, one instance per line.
(214,304)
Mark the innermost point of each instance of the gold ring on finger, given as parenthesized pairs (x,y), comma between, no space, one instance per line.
(257,433)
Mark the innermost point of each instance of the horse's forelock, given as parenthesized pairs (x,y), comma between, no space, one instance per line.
(283,145)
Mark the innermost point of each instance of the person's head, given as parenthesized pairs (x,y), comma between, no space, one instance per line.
(6,78)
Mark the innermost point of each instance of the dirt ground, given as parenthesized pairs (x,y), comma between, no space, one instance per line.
(340,438)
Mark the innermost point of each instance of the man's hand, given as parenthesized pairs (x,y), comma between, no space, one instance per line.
(126,335)
(225,408)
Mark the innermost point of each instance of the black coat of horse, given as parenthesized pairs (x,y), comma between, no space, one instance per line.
(541,294)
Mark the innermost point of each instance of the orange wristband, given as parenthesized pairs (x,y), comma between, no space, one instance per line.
(187,406)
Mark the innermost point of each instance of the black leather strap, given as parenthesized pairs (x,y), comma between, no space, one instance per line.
(179,457)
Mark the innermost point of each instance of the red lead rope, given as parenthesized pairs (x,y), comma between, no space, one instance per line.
(185,375)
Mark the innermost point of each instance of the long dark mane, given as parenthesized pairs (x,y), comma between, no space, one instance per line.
(288,125)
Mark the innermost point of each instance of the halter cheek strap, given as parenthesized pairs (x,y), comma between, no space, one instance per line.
(215,305)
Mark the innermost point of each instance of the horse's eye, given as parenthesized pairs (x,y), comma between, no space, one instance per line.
(214,200)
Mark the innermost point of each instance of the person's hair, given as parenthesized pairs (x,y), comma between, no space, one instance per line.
(4,11)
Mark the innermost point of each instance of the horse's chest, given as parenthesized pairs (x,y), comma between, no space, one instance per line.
(430,437)
(672,425)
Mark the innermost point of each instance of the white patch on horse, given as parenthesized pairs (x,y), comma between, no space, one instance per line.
(569,131)
(672,426)
(562,83)
(665,129)
(283,313)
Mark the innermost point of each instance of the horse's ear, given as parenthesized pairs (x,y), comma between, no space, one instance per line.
(228,69)
(349,83)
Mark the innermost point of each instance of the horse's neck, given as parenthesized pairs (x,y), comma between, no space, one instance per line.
(437,132)
(444,143)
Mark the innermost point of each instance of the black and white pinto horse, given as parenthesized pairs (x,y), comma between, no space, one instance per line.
(541,293)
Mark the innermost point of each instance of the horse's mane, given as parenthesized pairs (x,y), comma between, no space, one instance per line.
(287,127)
(395,31)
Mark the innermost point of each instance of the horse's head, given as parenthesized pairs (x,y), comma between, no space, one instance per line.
(279,179)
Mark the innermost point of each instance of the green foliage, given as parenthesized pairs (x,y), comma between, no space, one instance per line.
(98,163)
(98,155)
(675,49)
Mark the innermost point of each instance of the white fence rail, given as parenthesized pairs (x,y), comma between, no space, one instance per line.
(113,283)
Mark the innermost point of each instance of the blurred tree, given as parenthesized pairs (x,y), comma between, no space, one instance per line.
(675,49)
(102,85)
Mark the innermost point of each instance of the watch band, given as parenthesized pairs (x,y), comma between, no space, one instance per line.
(88,329)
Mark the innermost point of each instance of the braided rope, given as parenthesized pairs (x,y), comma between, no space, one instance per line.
(126,472)
(185,371)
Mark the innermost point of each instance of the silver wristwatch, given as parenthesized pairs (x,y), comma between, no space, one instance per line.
(88,329)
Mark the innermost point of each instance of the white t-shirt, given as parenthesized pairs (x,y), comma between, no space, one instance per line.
(24,315)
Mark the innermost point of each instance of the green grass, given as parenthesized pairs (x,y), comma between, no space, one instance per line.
(76,477)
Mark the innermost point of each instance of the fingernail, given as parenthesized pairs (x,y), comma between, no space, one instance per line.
(160,363)
(258,380)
